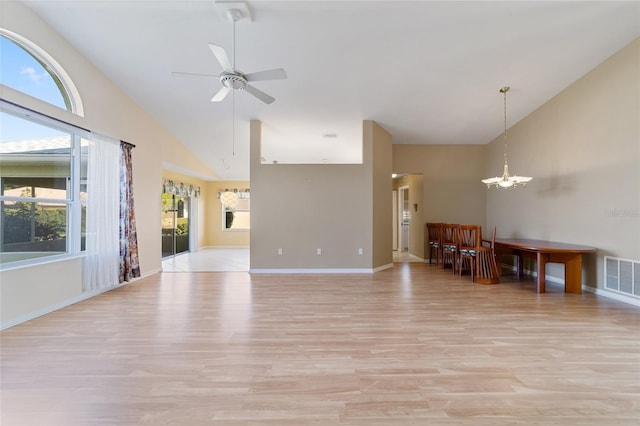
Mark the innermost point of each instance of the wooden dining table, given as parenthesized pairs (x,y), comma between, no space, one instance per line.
(544,252)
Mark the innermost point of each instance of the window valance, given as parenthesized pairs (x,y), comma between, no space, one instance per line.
(180,189)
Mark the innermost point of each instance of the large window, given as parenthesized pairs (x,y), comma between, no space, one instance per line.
(238,217)
(42,161)
(42,188)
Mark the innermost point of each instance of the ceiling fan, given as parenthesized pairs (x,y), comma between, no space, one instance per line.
(231,78)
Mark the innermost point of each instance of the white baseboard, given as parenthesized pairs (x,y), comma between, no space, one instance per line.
(612,295)
(312,271)
(383,267)
(223,247)
(597,291)
(63,304)
(322,271)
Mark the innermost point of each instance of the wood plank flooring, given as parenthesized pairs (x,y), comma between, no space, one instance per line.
(412,345)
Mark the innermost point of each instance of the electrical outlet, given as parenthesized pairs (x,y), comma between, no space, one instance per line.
(319,251)
(279,251)
(360,251)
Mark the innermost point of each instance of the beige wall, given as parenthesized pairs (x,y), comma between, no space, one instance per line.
(33,291)
(301,208)
(449,177)
(215,235)
(381,150)
(107,110)
(582,148)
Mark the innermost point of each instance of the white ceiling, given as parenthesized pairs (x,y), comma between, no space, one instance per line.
(429,72)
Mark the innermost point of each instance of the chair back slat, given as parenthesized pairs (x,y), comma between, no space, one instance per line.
(433,240)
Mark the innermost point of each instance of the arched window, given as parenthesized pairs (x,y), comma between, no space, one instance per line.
(27,68)
(43,160)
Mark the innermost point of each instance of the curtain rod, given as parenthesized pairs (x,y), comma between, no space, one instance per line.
(75,126)
(128,143)
(24,108)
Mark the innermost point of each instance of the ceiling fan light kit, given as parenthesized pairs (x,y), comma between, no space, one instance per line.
(506,181)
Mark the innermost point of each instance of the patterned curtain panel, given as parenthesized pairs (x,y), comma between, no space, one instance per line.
(129,265)
(180,189)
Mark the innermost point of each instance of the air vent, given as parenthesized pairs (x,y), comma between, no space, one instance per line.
(622,275)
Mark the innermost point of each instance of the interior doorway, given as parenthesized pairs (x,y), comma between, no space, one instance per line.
(408,226)
(404,216)
(175,224)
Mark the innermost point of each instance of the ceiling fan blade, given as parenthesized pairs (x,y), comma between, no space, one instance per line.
(221,56)
(276,74)
(222,93)
(192,74)
(259,94)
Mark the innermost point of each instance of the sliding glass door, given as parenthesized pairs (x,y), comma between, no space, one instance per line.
(175,224)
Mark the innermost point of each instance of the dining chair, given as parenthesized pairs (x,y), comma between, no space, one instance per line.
(486,266)
(434,240)
(492,242)
(469,238)
(450,245)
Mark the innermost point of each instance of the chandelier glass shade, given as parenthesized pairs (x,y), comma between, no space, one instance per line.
(229,199)
(506,181)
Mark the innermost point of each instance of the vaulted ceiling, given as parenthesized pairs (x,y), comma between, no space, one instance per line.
(427,71)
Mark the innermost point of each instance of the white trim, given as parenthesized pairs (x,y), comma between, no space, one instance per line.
(194,228)
(43,260)
(322,271)
(223,247)
(383,267)
(54,66)
(60,305)
(534,274)
(609,294)
(57,306)
(612,295)
(312,271)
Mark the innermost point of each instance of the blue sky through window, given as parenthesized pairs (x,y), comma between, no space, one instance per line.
(21,71)
(15,129)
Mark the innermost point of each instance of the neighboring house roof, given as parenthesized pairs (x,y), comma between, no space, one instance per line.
(56,144)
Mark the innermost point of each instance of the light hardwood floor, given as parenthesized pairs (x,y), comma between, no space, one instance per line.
(412,345)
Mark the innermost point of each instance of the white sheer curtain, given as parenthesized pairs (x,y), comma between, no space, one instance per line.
(102,263)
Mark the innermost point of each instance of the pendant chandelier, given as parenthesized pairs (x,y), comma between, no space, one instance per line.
(506,181)
(229,199)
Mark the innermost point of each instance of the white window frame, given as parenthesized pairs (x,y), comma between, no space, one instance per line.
(72,201)
(74,104)
(224,216)
(69,91)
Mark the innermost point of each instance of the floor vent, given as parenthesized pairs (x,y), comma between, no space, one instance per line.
(622,275)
